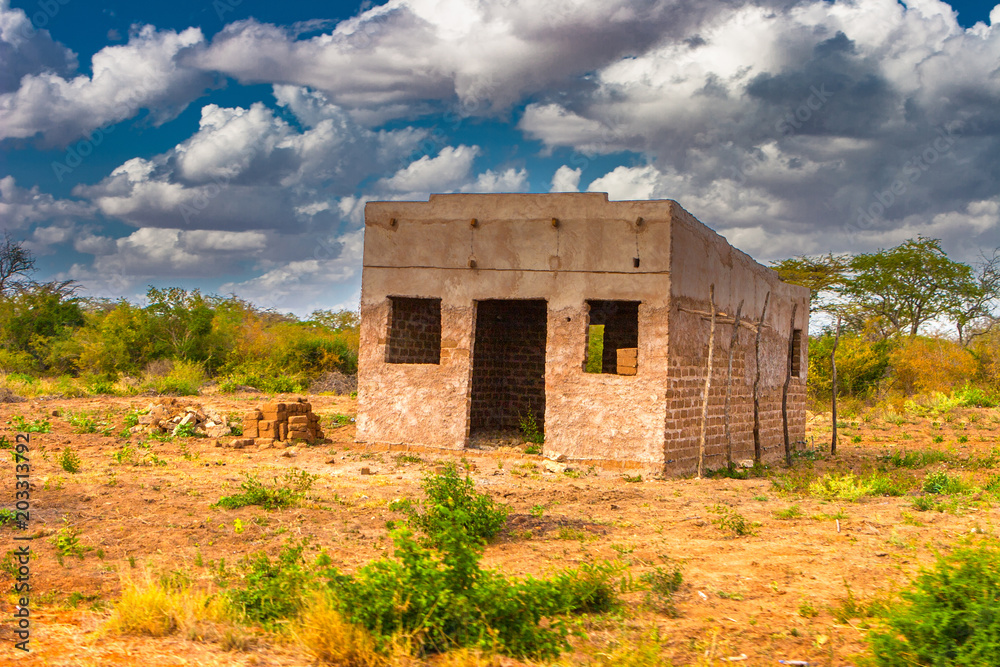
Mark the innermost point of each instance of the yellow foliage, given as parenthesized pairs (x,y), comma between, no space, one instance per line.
(925,365)
(149,608)
(330,639)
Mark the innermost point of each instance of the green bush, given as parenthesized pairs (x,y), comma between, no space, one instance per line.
(280,493)
(441,599)
(184,379)
(939,482)
(949,615)
(273,590)
(663,586)
(69,461)
(452,498)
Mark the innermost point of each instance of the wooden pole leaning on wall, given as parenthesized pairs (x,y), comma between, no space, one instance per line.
(733,340)
(784,389)
(708,382)
(833,389)
(756,383)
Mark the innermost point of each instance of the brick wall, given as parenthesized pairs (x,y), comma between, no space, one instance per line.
(414,331)
(686,384)
(508,364)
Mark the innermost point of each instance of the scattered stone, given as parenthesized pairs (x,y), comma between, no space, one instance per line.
(289,453)
(746,463)
(439,470)
(552,466)
(7,396)
(558,458)
(331,461)
(366,471)
(168,415)
(240,443)
(56,413)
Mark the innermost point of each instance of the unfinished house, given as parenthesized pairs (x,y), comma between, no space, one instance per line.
(593,318)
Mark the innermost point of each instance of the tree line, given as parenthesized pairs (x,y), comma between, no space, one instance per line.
(48,328)
(907,319)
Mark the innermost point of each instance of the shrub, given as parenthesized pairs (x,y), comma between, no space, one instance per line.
(732,521)
(273,590)
(530,431)
(292,486)
(69,461)
(939,482)
(663,586)
(452,498)
(931,364)
(184,379)
(948,616)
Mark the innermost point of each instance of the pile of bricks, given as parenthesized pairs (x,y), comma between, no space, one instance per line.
(282,423)
(628,358)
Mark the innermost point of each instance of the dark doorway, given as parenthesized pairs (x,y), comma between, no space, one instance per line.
(508,366)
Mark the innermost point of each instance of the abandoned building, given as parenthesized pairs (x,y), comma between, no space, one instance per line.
(593,317)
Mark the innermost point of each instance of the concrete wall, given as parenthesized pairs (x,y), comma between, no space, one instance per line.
(702,258)
(515,251)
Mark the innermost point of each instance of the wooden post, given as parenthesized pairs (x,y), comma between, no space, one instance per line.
(833,364)
(784,389)
(733,339)
(708,382)
(756,383)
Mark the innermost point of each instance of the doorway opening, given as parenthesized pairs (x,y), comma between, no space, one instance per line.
(508,367)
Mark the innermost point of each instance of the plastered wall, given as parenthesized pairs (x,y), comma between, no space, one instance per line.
(467,248)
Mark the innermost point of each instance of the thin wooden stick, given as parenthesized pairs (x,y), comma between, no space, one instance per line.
(784,389)
(733,339)
(708,383)
(756,384)
(833,363)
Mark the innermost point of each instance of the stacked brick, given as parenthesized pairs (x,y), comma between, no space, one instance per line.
(282,423)
(628,358)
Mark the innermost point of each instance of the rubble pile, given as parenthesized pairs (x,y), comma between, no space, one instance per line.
(168,415)
(282,423)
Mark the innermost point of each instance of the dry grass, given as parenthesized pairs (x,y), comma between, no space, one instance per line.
(328,638)
(148,607)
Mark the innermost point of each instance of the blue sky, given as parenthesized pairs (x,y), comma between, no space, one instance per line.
(230,145)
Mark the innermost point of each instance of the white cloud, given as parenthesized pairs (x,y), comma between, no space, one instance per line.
(304,285)
(566,179)
(20,207)
(145,73)
(447,171)
(509,180)
(249,169)
(487,54)
(25,49)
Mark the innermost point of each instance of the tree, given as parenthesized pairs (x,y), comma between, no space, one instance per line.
(904,287)
(977,301)
(822,275)
(15,262)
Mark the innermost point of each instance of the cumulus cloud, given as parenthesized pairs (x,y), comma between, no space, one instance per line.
(250,169)
(447,171)
(304,285)
(25,49)
(799,121)
(145,73)
(486,55)
(21,207)
(508,180)
(566,179)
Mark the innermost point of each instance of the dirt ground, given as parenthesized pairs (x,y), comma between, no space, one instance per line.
(750,600)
